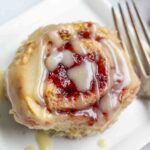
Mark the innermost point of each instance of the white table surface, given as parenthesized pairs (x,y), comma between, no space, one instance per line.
(12,8)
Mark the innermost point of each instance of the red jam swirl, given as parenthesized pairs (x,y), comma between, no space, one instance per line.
(67,87)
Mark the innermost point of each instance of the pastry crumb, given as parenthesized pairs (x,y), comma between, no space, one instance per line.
(102,143)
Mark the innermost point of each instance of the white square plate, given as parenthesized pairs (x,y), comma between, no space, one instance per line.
(130,132)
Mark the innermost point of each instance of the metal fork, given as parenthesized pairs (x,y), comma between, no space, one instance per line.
(143,68)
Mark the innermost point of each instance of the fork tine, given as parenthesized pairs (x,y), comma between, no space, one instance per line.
(137,58)
(116,26)
(141,22)
(116,23)
(145,53)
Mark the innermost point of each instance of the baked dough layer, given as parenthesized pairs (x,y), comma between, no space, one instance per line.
(27,86)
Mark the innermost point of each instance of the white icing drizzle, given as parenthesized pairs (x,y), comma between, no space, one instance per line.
(77,45)
(53,60)
(123,66)
(95,71)
(41,73)
(110,99)
(119,61)
(109,102)
(82,75)
(88,111)
(56,57)
(67,58)
(54,36)
(75,41)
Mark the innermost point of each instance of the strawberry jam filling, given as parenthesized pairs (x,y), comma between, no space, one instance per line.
(67,87)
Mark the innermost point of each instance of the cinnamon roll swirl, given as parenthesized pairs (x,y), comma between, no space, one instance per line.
(71,79)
